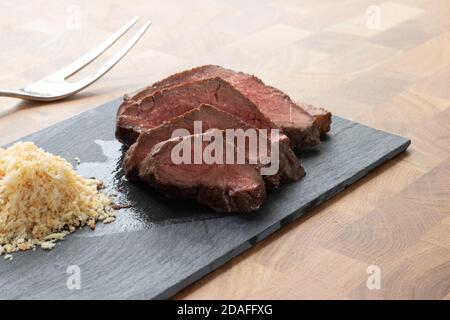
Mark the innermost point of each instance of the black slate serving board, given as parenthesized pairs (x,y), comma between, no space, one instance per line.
(159,246)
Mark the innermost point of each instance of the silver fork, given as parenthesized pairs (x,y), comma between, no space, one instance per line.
(55,86)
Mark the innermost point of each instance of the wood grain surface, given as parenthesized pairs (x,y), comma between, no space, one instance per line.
(382,63)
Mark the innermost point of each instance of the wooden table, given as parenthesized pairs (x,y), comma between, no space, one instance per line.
(385,64)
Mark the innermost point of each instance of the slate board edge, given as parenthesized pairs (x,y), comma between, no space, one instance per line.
(170,292)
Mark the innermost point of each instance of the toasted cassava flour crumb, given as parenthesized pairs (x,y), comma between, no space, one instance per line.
(109,220)
(48,245)
(42,199)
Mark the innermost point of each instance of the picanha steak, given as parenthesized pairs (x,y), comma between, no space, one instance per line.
(133,118)
(302,123)
(222,101)
(210,117)
(222,187)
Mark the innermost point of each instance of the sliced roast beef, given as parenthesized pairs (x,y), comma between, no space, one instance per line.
(210,117)
(135,117)
(222,187)
(302,125)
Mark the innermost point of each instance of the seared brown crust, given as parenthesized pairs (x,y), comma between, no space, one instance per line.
(322,117)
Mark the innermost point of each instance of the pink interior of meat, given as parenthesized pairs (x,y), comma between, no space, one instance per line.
(270,101)
(174,101)
(222,186)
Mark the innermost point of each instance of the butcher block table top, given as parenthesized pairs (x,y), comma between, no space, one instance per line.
(385,64)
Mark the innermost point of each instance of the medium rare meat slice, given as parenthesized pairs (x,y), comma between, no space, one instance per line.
(302,126)
(162,105)
(210,117)
(264,96)
(222,187)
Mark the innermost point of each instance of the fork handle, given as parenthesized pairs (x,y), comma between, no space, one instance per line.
(13,94)
(22,95)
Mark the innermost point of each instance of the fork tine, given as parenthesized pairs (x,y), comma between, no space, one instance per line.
(77,65)
(116,58)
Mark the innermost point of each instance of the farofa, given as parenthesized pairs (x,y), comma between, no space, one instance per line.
(42,199)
